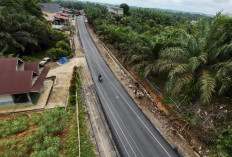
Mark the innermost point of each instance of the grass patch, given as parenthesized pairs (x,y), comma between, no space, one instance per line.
(34,58)
(34,135)
(71,145)
(71,148)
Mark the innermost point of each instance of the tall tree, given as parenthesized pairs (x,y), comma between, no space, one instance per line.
(126,8)
(186,66)
(14,34)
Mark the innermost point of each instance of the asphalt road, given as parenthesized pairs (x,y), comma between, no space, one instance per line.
(134,135)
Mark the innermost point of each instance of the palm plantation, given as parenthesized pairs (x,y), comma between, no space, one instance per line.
(23,29)
(194,60)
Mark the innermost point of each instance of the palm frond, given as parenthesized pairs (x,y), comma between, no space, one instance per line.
(194,63)
(175,86)
(208,84)
(149,69)
(224,50)
(176,54)
(203,58)
(139,65)
(178,70)
(135,58)
(165,65)
(226,84)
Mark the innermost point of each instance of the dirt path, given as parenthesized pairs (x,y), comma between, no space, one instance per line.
(150,109)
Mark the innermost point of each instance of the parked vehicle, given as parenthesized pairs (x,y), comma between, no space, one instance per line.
(44,61)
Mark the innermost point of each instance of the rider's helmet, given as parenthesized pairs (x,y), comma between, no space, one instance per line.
(99,75)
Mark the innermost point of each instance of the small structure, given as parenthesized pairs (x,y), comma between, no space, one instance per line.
(20,82)
(58,27)
(115,10)
(50,7)
(65,14)
(59,19)
(66,10)
(63,60)
(193,22)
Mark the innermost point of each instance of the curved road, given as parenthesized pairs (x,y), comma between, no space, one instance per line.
(134,135)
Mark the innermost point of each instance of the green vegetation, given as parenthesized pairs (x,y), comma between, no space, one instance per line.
(196,64)
(24,31)
(86,145)
(71,144)
(126,8)
(75,5)
(13,127)
(224,143)
(191,53)
(33,135)
(154,43)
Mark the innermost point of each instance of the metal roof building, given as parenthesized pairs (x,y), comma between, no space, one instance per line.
(19,80)
(50,7)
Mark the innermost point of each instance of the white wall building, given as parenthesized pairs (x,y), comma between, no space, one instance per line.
(115,10)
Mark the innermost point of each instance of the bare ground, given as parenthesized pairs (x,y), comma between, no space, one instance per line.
(63,73)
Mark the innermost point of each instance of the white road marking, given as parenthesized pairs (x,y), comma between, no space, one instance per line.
(118,125)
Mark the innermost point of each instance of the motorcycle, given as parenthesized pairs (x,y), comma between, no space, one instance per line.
(99,78)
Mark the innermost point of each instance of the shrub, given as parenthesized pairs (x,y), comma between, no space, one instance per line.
(56,53)
(224,143)
(51,152)
(72,89)
(63,45)
(73,82)
(35,119)
(75,68)
(72,100)
(74,74)
(55,118)
(51,141)
(13,127)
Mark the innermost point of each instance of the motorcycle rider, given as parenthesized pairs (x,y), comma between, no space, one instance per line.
(99,76)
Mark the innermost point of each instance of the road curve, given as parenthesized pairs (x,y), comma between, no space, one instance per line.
(134,135)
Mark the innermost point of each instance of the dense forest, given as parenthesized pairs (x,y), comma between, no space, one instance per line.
(187,56)
(24,30)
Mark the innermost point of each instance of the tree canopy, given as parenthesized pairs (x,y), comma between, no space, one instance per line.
(23,29)
(125,8)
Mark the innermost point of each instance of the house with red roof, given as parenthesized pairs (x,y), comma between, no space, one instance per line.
(60,19)
(21,82)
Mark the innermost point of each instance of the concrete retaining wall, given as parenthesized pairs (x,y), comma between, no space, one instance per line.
(6,100)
